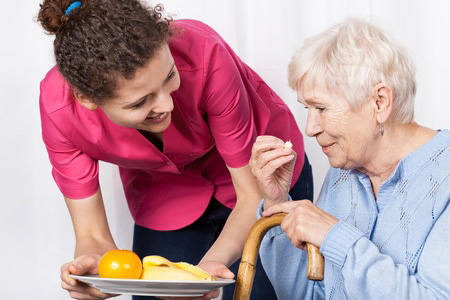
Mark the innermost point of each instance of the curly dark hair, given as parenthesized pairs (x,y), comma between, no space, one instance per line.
(103,40)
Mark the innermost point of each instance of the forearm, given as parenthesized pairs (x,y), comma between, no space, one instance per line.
(378,277)
(229,245)
(370,274)
(90,225)
(91,245)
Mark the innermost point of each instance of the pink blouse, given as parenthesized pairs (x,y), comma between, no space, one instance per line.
(219,109)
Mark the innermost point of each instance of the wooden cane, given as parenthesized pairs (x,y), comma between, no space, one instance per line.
(246,273)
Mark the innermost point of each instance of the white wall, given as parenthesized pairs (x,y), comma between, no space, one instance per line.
(35,228)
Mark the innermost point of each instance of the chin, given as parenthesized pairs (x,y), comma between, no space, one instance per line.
(156,128)
(337,163)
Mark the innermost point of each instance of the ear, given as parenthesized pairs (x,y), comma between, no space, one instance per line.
(382,101)
(85,101)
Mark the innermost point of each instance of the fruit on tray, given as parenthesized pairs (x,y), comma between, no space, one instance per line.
(156,267)
(120,264)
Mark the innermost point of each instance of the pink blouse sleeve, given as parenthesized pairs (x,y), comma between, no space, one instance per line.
(75,173)
(228,108)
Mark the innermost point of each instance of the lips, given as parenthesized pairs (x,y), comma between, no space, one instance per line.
(326,145)
(326,148)
(158,118)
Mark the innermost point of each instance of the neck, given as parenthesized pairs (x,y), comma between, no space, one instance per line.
(396,143)
(155,138)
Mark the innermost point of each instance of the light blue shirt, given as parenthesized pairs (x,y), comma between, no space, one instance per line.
(394,247)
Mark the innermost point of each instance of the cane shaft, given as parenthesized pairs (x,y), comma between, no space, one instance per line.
(246,271)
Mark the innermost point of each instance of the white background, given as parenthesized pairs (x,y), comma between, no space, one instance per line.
(35,228)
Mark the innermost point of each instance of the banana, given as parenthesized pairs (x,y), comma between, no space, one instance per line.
(159,268)
(156,260)
(194,270)
(167,273)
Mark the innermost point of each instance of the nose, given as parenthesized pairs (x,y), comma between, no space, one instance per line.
(164,103)
(312,123)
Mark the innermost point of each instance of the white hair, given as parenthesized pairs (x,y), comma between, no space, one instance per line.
(351,58)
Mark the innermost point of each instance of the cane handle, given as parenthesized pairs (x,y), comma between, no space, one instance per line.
(246,271)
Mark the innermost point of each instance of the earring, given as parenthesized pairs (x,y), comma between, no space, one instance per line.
(381,129)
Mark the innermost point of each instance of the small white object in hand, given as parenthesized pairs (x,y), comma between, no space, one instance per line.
(288,144)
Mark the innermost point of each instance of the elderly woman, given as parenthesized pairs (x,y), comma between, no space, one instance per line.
(382,220)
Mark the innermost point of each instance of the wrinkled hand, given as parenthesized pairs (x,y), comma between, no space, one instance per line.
(304,223)
(84,264)
(272,164)
(215,269)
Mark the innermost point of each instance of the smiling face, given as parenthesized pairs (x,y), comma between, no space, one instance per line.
(345,134)
(144,102)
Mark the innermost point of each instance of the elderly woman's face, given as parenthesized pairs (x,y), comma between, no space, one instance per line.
(344,134)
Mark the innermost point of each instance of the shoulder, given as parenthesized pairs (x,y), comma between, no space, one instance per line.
(442,154)
(193,31)
(437,155)
(440,171)
(55,92)
(194,43)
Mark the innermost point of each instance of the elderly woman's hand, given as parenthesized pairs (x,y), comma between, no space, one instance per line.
(272,164)
(304,223)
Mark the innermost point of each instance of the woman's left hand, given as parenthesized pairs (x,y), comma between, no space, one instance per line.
(215,269)
(304,222)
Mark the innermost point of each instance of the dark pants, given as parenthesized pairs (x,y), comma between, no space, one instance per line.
(189,244)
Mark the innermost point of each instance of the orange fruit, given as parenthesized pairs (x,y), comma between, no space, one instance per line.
(120,264)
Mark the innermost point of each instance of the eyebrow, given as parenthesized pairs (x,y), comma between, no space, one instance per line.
(315,97)
(164,83)
(311,100)
(168,75)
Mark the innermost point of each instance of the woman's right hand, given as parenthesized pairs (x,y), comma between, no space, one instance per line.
(83,264)
(272,164)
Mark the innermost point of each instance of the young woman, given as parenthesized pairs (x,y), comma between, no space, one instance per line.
(173,106)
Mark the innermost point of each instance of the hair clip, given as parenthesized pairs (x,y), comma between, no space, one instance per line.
(72,6)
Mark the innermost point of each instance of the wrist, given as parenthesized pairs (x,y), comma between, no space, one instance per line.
(214,256)
(92,247)
(268,202)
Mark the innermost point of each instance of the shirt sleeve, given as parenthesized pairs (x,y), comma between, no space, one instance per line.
(227,105)
(75,173)
(369,274)
(288,276)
